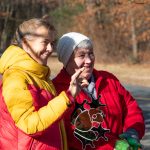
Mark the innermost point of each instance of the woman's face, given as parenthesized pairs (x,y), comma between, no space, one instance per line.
(39,46)
(82,57)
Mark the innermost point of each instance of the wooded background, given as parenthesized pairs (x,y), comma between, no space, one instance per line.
(120,29)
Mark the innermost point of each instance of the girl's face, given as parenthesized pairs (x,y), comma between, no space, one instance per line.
(81,58)
(39,45)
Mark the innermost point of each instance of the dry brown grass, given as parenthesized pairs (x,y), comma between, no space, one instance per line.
(129,74)
(126,73)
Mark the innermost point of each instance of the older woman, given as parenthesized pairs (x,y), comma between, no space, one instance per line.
(105,115)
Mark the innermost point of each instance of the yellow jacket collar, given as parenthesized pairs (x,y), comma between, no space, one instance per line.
(15,57)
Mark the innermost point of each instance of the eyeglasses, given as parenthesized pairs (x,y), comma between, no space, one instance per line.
(83,55)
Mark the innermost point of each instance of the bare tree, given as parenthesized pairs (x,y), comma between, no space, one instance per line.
(133,34)
(61,3)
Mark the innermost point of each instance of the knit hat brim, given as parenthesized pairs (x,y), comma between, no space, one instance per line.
(67,44)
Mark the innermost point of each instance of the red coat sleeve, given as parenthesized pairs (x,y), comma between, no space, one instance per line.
(133,115)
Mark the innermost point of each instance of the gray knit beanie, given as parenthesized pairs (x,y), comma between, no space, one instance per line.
(67,44)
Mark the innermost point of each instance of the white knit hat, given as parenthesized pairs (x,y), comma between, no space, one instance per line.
(67,44)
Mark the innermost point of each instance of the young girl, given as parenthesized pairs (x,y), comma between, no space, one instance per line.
(30,111)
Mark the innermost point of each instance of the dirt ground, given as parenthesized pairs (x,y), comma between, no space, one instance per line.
(126,73)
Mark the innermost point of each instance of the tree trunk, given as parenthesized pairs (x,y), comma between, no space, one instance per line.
(133,34)
(4,32)
(61,3)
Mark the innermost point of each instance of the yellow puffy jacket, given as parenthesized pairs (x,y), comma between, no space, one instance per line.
(30,111)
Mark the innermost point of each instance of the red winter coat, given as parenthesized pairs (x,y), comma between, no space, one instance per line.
(120,113)
(29,113)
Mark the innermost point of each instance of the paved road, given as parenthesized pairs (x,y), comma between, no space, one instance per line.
(142,95)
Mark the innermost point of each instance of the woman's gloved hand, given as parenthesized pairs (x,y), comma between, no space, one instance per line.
(122,145)
(129,141)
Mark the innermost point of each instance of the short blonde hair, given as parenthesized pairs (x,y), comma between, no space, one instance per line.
(28,27)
